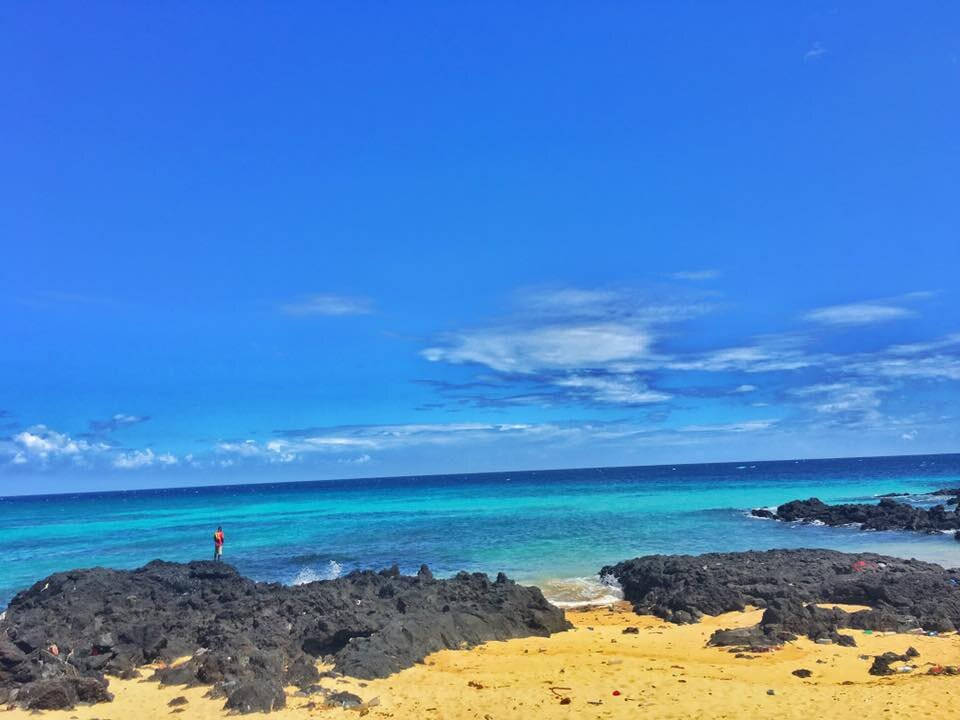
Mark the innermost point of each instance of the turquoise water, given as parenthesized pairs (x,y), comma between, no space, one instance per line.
(554,528)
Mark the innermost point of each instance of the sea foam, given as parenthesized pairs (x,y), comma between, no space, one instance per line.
(582,591)
(306,575)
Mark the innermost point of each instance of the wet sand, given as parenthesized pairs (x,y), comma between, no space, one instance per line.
(663,671)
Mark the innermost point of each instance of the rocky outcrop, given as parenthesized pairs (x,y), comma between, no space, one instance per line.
(246,640)
(886,515)
(789,584)
(881,663)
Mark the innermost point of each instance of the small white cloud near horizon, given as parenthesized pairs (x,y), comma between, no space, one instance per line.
(695,275)
(744,389)
(909,435)
(44,448)
(40,444)
(138,459)
(858,314)
(330,305)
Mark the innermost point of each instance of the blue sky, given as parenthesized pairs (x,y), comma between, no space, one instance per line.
(256,242)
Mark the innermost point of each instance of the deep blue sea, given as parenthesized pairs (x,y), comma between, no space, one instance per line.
(554,528)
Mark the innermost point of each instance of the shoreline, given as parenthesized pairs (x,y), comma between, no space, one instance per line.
(663,669)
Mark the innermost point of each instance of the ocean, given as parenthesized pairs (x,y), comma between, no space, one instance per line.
(552,528)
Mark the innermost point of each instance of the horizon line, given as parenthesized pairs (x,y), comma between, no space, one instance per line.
(426,476)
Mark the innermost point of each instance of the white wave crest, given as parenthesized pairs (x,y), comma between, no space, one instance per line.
(311,574)
(582,591)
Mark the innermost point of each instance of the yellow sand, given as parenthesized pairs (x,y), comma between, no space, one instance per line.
(665,671)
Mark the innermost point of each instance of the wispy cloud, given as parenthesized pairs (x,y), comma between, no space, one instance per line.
(43,448)
(948,341)
(329,305)
(520,350)
(936,367)
(842,397)
(695,275)
(571,346)
(117,422)
(744,389)
(765,355)
(342,444)
(617,389)
(40,445)
(815,53)
(858,314)
(138,459)
(736,427)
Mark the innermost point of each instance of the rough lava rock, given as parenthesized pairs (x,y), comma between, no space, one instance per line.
(789,584)
(885,515)
(245,639)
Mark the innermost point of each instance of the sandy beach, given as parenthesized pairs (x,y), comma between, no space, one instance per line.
(663,671)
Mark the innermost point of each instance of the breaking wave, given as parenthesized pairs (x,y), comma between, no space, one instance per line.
(305,575)
(582,591)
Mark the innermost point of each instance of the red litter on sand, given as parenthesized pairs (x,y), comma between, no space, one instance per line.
(616,692)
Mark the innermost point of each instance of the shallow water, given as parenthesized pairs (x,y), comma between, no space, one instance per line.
(553,528)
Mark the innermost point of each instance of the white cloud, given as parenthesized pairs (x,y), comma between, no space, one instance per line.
(862,402)
(117,422)
(578,346)
(571,345)
(695,275)
(568,301)
(948,341)
(330,305)
(858,314)
(572,305)
(909,435)
(937,367)
(616,390)
(138,459)
(369,438)
(749,358)
(42,445)
(815,53)
(737,427)
(744,389)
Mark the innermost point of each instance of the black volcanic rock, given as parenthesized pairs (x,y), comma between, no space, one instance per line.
(881,663)
(884,515)
(789,584)
(246,639)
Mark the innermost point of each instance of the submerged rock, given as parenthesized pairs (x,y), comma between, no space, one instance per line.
(245,639)
(788,584)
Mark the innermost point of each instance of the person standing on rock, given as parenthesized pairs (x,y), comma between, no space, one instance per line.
(218,544)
